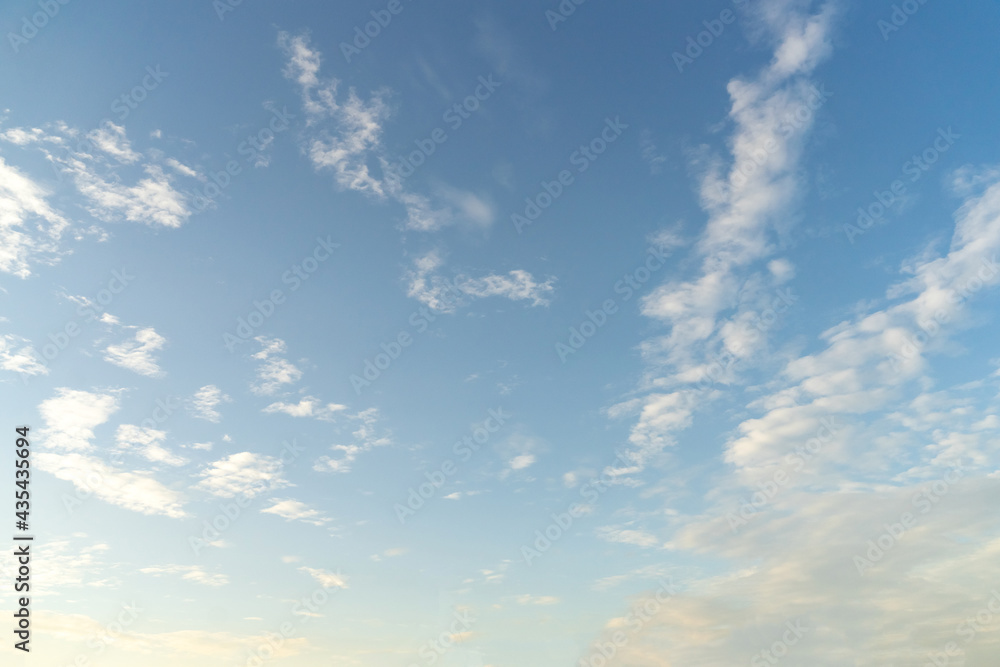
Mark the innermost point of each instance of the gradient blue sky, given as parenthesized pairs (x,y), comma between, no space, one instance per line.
(845,372)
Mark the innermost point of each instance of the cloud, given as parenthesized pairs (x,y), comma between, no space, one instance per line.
(136,355)
(445,295)
(71,417)
(194,573)
(746,198)
(138,491)
(308,406)
(344,135)
(293,510)
(30,229)
(148,442)
(21,360)
(637,538)
(325,578)
(275,371)
(205,401)
(112,140)
(543,600)
(365,438)
(244,474)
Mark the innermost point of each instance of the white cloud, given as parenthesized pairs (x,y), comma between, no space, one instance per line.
(194,573)
(138,491)
(365,438)
(148,442)
(275,371)
(71,417)
(23,360)
(445,295)
(308,406)
(294,510)
(112,140)
(205,401)
(344,135)
(29,228)
(136,355)
(325,578)
(245,474)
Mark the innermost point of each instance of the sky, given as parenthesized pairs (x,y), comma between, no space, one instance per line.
(496,334)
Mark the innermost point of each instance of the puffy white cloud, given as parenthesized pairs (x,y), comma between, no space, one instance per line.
(294,510)
(245,474)
(136,355)
(205,402)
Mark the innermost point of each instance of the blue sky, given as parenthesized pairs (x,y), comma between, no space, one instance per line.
(672,344)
